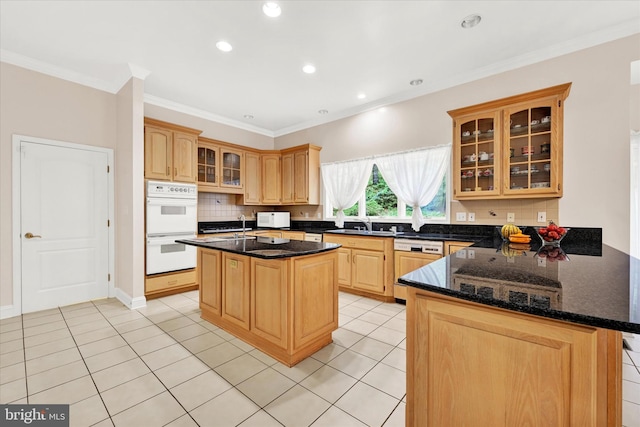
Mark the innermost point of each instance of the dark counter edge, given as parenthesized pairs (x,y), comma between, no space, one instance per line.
(546,313)
(219,246)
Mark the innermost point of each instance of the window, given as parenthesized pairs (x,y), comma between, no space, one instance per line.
(379,201)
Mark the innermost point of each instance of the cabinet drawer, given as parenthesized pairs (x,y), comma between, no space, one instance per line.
(356,242)
(170,281)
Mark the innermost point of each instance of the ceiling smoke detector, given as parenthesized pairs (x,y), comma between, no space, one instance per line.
(271,9)
(309,69)
(471,21)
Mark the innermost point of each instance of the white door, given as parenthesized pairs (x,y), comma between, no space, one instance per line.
(64,233)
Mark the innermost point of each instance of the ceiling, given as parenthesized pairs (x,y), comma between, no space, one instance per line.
(370,47)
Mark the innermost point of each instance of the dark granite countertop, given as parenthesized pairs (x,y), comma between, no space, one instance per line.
(262,247)
(595,285)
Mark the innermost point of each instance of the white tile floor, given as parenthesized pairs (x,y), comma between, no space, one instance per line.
(164,366)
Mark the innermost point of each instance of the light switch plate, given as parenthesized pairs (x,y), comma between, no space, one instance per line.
(471,253)
(511,217)
(461,216)
(472,216)
(542,217)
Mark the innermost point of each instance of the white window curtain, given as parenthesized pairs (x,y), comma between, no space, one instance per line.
(344,183)
(415,176)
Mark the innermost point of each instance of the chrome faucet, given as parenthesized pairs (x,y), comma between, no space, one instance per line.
(367,221)
(244,229)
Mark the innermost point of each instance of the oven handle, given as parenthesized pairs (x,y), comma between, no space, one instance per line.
(158,241)
(171,202)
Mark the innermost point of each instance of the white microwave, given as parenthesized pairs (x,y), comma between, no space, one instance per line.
(274,219)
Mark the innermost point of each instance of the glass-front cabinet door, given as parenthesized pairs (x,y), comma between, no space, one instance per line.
(232,163)
(208,158)
(533,165)
(477,159)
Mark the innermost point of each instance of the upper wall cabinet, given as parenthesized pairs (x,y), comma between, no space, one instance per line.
(510,148)
(301,175)
(169,151)
(220,167)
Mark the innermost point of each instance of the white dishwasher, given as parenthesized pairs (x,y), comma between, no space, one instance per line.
(410,255)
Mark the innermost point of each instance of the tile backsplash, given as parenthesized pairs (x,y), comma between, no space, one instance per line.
(494,212)
(222,207)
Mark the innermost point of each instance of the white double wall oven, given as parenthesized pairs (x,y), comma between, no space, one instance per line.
(172,215)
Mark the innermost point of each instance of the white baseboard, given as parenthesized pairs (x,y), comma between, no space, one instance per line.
(132,303)
(7,311)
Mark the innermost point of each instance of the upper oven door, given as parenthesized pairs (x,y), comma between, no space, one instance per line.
(171,216)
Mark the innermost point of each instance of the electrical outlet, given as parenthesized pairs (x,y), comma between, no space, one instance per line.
(542,262)
(511,217)
(472,216)
(471,253)
(461,216)
(542,217)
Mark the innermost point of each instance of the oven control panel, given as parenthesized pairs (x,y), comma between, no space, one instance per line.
(172,189)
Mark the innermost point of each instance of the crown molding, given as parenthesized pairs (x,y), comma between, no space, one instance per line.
(191,111)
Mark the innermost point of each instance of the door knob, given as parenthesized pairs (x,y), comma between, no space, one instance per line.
(31,235)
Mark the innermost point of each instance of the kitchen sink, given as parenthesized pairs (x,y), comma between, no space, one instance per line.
(236,238)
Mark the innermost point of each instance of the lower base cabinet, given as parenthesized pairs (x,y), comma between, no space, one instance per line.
(159,285)
(473,365)
(286,307)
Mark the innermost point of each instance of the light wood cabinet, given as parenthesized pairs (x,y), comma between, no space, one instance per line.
(510,148)
(470,364)
(269,300)
(220,167)
(232,168)
(252,175)
(286,307)
(294,235)
(170,152)
(301,175)
(453,247)
(164,284)
(271,180)
(365,265)
(405,262)
(236,289)
(209,280)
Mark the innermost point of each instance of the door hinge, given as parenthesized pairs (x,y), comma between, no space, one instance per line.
(108,169)
(108,277)
(108,223)
(559,103)
(384,257)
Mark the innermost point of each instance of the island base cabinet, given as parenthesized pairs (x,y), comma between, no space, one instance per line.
(473,365)
(285,307)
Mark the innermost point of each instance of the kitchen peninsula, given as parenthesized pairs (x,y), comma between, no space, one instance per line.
(519,340)
(279,295)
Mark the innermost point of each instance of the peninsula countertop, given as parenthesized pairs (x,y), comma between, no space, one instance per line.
(261,247)
(597,287)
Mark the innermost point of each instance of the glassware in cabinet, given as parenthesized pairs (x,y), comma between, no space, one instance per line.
(476,152)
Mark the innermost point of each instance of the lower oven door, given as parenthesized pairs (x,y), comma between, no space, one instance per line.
(164,254)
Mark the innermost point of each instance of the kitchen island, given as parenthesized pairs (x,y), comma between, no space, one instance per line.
(503,340)
(279,295)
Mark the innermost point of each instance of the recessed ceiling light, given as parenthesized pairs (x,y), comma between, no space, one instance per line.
(248,116)
(323,111)
(416,82)
(309,69)
(362,96)
(471,21)
(271,9)
(224,46)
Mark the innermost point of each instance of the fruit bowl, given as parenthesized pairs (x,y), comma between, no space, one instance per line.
(551,235)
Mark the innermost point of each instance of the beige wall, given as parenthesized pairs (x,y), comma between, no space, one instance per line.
(211,129)
(596,131)
(34,104)
(129,188)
